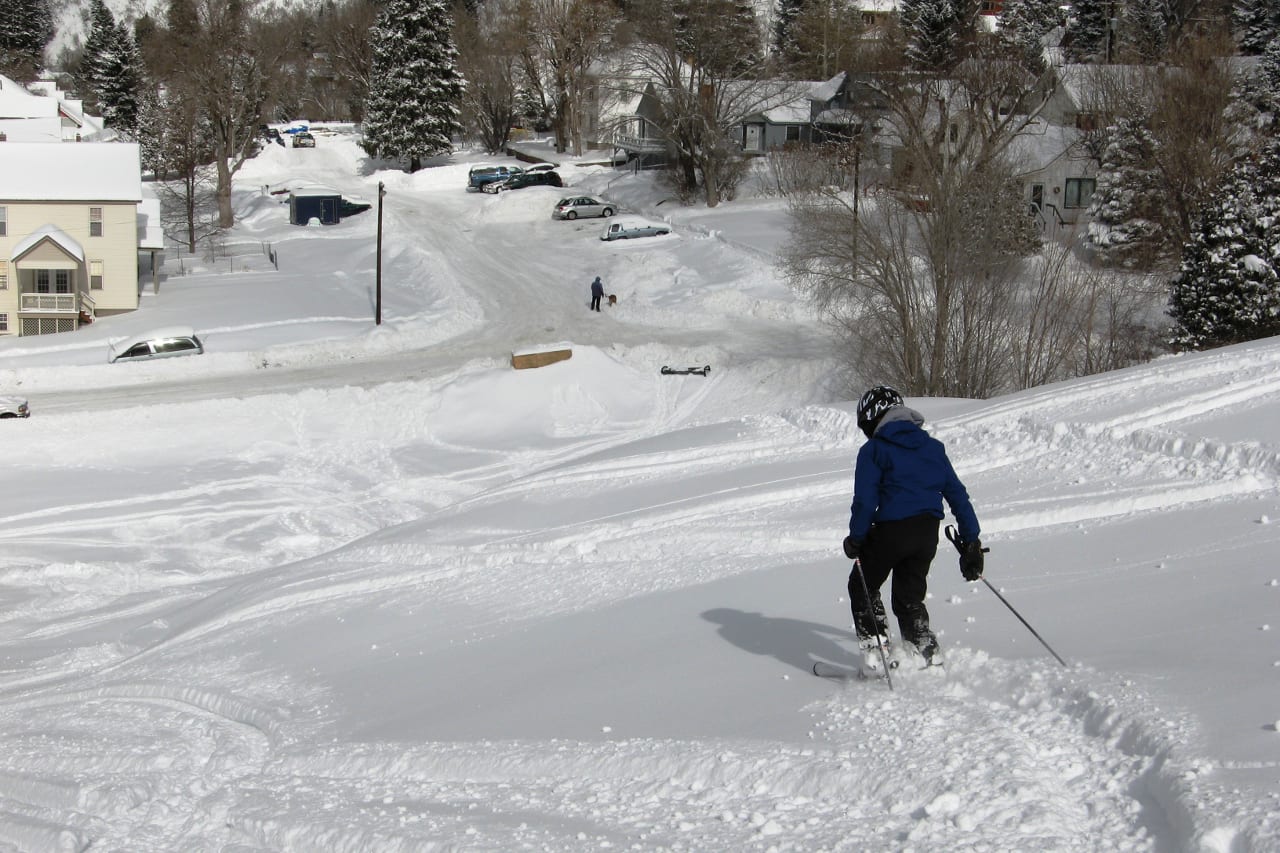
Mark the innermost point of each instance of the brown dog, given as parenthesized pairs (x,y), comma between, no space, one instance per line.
(613,299)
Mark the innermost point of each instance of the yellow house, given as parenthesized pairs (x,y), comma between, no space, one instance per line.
(68,234)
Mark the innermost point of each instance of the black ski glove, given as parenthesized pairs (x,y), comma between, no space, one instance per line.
(852,547)
(971,559)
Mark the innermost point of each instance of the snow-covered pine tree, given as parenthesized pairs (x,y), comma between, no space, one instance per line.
(120,84)
(415,90)
(1144,30)
(784,40)
(936,31)
(1089,31)
(1124,228)
(1228,287)
(1258,91)
(98,56)
(26,26)
(1256,23)
(1024,25)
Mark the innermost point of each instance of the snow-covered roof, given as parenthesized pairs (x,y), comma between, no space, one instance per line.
(43,129)
(52,233)
(67,171)
(315,190)
(1040,143)
(827,90)
(17,102)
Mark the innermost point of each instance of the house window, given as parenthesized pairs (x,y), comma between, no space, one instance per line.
(4,275)
(1079,192)
(95,275)
(793,133)
(42,281)
(61,281)
(4,221)
(1087,122)
(95,222)
(4,322)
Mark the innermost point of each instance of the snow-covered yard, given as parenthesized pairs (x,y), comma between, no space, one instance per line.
(339,587)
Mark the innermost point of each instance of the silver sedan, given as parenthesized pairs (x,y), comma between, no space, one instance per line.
(582,205)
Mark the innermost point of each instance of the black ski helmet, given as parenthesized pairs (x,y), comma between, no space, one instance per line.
(875,403)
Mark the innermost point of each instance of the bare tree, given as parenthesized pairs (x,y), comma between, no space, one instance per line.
(228,69)
(923,275)
(567,37)
(489,57)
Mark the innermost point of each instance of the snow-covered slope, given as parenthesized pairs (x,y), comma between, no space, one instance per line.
(337,588)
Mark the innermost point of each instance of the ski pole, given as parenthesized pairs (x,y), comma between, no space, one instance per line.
(954,538)
(866,594)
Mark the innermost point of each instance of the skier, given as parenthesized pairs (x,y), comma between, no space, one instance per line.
(901,477)
(597,292)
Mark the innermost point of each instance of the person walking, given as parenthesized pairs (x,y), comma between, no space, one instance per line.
(597,293)
(901,477)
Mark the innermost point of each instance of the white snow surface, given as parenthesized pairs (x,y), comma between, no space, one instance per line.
(338,587)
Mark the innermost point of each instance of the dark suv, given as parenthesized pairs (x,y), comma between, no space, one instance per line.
(525,179)
(481,176)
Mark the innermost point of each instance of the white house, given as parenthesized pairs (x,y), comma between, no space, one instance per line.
(69,233)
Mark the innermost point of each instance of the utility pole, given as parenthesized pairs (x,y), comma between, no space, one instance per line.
(378,316)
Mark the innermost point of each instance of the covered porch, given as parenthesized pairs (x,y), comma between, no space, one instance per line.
(53,283)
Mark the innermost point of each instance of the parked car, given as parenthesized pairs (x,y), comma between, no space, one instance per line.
(524,179)
(628,227)
(479,176)
(303,139)
(158,343)
(14,407)
(583,205)
(543,167)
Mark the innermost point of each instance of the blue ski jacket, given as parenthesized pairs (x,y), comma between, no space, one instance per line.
(903,472)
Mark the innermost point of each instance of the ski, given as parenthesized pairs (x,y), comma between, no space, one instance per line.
(822,669)
(686,371)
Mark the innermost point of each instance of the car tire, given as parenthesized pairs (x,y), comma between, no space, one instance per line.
(607,212)
(661,233)
(7,415)
(573,214)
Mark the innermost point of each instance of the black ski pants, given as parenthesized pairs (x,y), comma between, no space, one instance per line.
(906,549)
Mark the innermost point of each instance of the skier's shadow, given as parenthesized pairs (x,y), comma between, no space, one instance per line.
(793,641)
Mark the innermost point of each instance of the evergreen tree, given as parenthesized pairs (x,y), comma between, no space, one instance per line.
(1256,23)
(26,26)
(416,89)
(1258,91)
(1124,227)
(936,31)
(1228,287)
(1089,31)
(784,36)
(120,87)
(1144,30)
(111,70)
(98,57)
(1024,25)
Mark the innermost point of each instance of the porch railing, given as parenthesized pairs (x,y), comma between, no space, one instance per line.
(639,144)
(62,303)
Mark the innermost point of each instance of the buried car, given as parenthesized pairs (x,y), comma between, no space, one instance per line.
(14,407)
(582,206)
(158,343)
(628,227)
